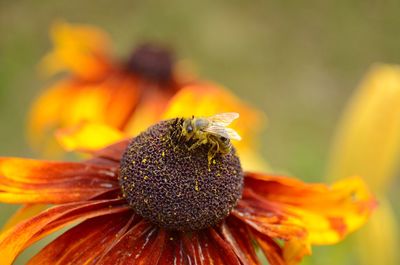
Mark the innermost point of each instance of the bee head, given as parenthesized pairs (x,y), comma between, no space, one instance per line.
(188,128)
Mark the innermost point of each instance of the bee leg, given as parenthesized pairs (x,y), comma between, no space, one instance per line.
(198,143)
(212,152)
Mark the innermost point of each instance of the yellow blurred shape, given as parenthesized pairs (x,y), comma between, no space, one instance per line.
(378,241)
(368,139)
(88,137)
(367,143)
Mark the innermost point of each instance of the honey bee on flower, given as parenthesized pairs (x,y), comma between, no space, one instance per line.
(211,130)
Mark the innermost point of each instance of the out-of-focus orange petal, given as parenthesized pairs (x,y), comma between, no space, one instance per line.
(294,250)
(46,111)
(149,111)
(80,49)
(237,235)
(80,245)
(25,212)
(66,104)
(16,239)
(31,181)
(328,213)
(88,136)
(209,99)
(70,103)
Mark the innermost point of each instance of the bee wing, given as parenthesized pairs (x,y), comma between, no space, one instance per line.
(223,131)
(223,119)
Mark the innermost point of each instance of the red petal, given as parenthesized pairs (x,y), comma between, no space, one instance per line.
(84,243)
(237,235)
(14,240)
(174,252)
(142,244)
(206,247)
(270,248)
(31,181)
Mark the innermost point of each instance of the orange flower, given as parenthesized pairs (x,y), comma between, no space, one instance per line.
(98,87)
(126,96)
(153,200)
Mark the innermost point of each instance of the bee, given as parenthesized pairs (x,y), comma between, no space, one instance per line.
(211,130)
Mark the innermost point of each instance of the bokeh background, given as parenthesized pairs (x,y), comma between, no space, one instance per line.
(298,61)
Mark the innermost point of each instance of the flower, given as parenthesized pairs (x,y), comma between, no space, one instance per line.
(123,97)
(367,143)
(155,200)
(98,87)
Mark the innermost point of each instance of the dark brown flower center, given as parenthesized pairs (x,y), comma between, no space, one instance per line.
(174,187)
(153,63)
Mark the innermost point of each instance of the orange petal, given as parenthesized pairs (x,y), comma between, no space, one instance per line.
(46,111)
(148,112)
(294,250)
(25,212)
(31,181)
(237,235)
(327,213)
(80,49)
(80,245)
(16,239)
(268,217)
(88,137)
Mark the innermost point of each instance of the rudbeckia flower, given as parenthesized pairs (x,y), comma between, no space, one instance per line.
(367,143)
(156,200)
(123,97)
(98,87)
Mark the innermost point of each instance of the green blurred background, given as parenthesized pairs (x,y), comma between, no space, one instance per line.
(298,61)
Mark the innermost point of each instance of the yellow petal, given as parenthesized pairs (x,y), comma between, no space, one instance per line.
(380,235)
(88,137)
(80,49)
(368,139)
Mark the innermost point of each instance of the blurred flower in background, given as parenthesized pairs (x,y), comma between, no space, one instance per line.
(121,99)
(98,87)
(368,144)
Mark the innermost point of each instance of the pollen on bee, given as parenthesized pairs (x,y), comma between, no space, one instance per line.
(163,154)
(146,177)
(144,160)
